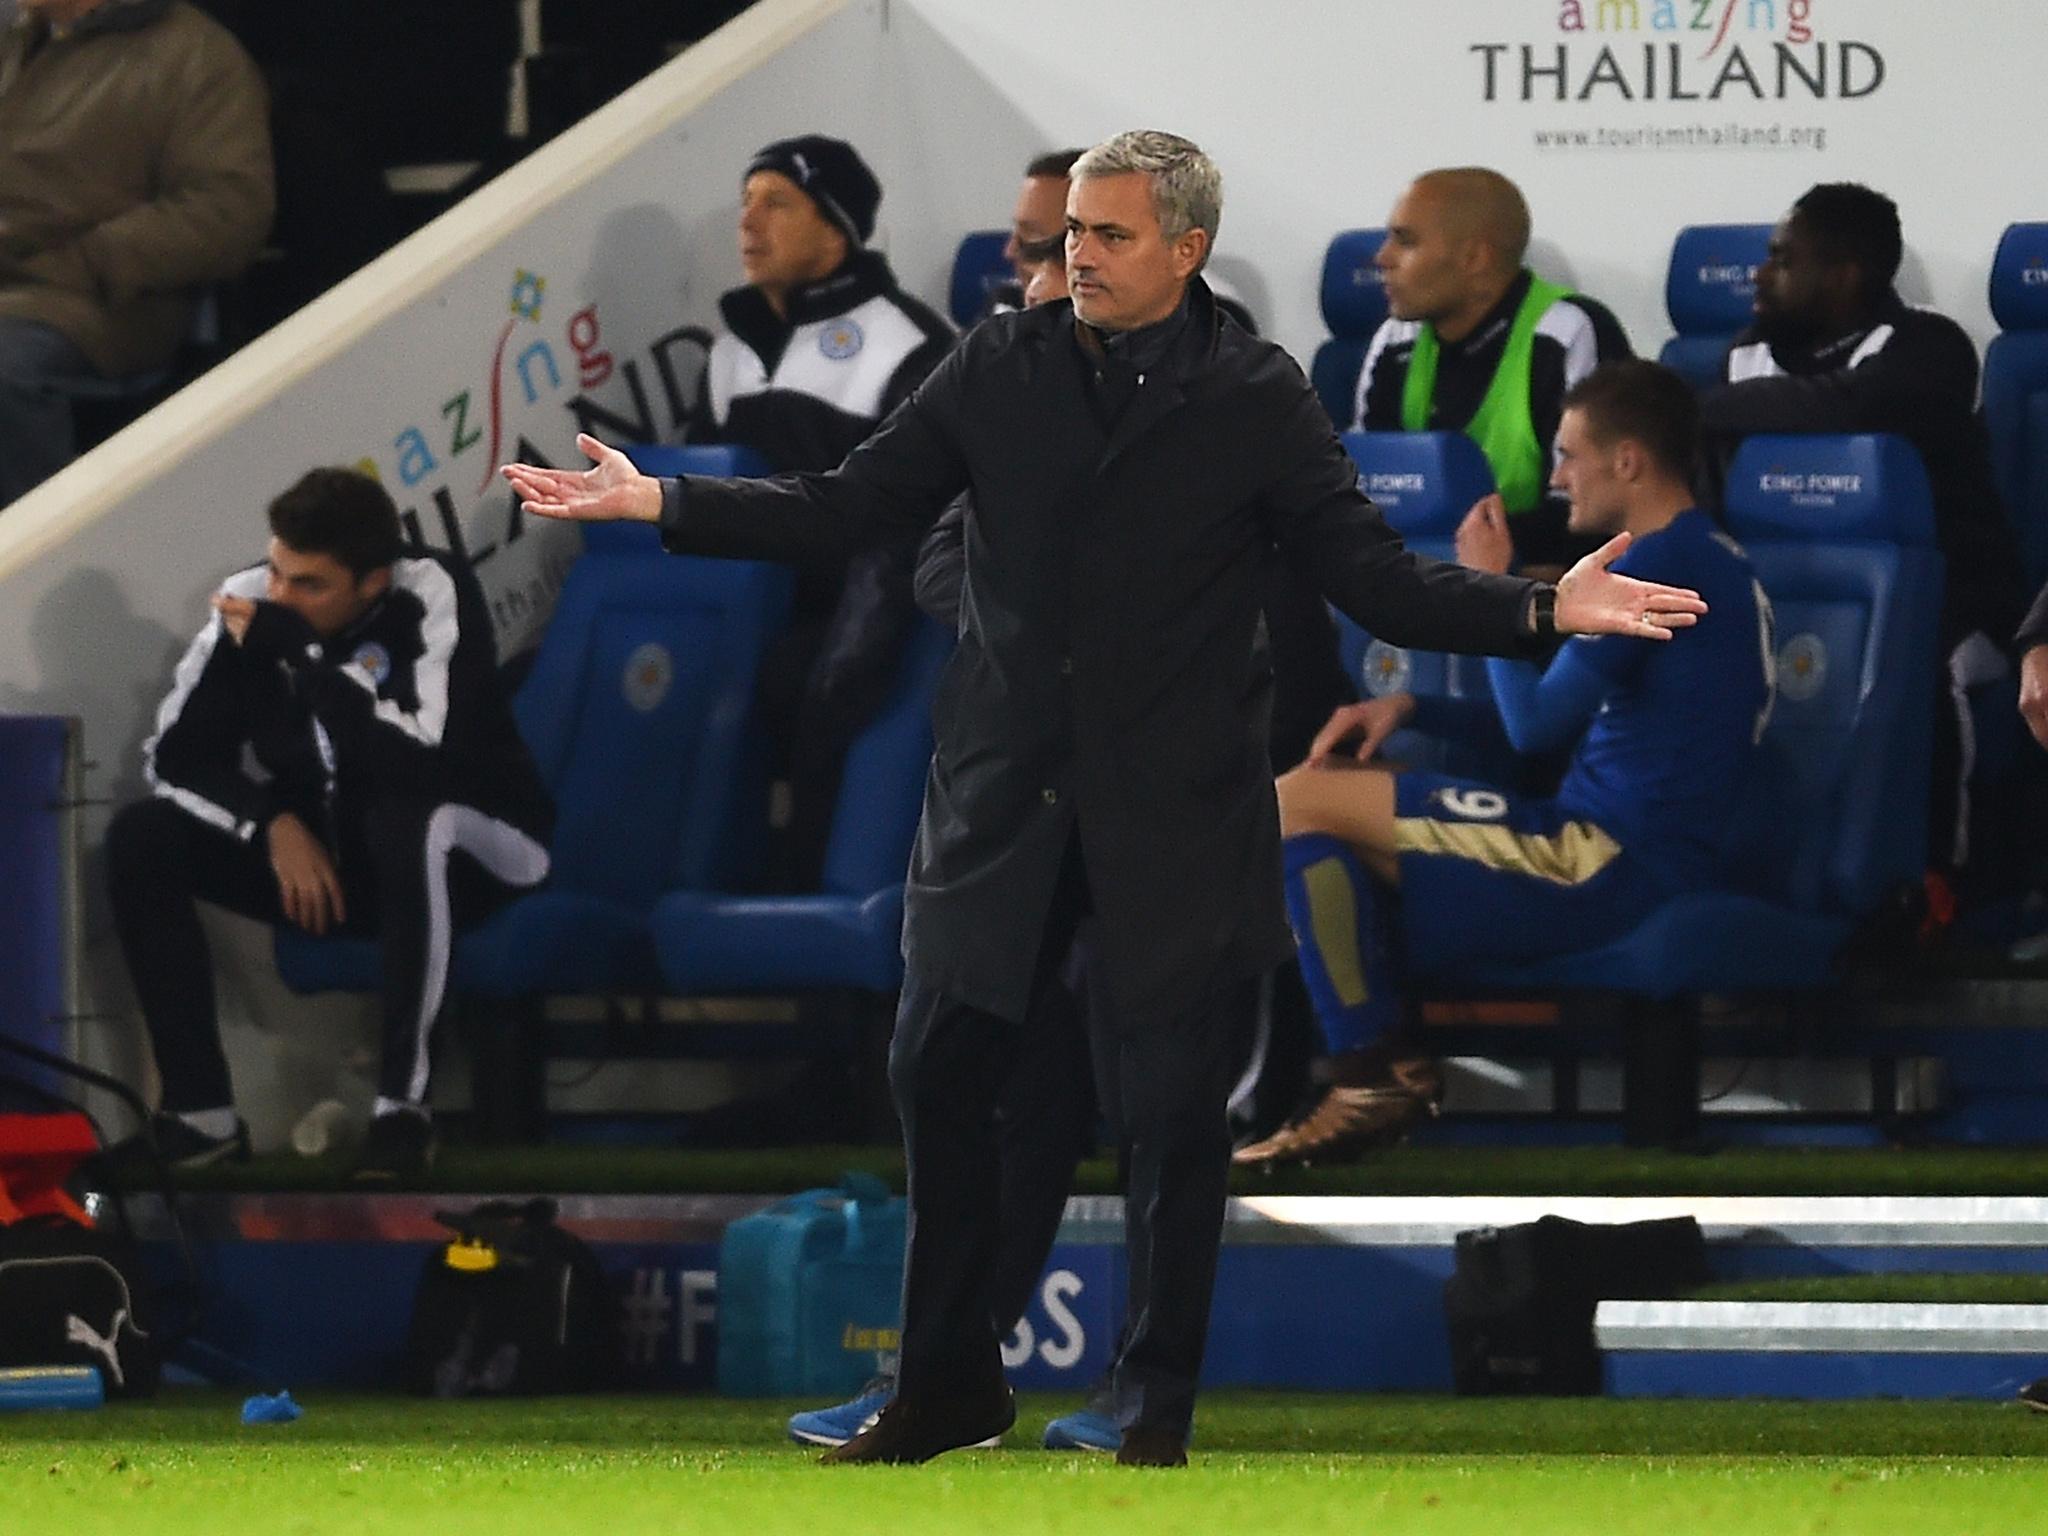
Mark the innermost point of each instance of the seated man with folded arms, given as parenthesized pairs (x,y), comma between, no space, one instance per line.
(1834,349)
(818,346)
(336,752)
(1475,342)
(1390,872)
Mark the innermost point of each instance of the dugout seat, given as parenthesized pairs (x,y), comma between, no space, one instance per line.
(979,268)
(838,949)
(1707,294)
(848,933)
(1841,532)
(1354,300)
(1425,483)
(2016,389)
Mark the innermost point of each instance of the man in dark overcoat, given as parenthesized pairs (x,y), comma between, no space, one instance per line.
(1101,746)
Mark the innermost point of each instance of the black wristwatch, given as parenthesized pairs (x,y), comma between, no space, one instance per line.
(1543,612)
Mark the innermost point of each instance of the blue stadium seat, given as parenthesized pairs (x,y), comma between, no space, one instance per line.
(725,460)
(36,792)
(1861,487)
(848,934)
(1841,534)
(637,712)
(2016,388)
(1354,303)
(979,268)
(1425,483)
(1707,294)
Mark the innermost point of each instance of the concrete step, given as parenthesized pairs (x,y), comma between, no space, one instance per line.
(1820,1349)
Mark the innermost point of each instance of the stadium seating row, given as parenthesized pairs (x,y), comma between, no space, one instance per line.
(1707,294)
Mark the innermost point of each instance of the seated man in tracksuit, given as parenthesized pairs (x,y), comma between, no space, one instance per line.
(1388,872)
(1474,342)
(335,752)
(1834,349)
(818,347)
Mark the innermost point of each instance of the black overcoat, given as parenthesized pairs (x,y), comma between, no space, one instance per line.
(1104,676)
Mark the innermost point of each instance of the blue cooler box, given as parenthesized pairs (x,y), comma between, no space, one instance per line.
(810,1292)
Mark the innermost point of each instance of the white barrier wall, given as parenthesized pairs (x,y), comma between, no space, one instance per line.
(559,296)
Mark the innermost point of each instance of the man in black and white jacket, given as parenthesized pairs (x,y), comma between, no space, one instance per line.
(819,346)
(1834,349)
(333,738)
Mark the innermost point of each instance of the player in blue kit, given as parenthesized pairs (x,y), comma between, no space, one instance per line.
(1393,871)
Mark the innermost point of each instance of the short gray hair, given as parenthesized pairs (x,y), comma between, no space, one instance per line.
(1187,189)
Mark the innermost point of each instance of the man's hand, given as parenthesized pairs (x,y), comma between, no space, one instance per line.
(235,614)
(1374,720)
(2034,692)
(1484,542)
(1592,600)
(611,490)
(306,882)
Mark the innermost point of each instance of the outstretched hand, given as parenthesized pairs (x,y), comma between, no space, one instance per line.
(611,490)
(1594,600)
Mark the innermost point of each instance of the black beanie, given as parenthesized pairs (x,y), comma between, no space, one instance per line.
(832,174)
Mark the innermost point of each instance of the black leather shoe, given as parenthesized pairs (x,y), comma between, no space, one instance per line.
(398,1149)
(913,1431)
(1145,1446)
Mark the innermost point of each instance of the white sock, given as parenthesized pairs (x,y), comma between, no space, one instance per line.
(215,1124)
(386,1106)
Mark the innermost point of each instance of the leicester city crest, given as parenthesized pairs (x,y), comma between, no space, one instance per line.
(840,340)
(649,671)
(1387,669)
(374,660)
(1802,668)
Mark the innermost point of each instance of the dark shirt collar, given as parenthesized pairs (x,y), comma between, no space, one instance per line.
(1493,326)
(1146,348)
(1833,351)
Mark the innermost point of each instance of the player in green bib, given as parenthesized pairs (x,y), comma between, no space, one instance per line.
(1476,343)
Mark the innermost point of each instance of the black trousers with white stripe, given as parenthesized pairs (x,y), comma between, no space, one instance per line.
(413,874)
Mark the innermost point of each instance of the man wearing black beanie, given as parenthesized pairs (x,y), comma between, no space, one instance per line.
(818,347)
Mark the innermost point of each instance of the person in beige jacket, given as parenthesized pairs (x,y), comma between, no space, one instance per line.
(135,168)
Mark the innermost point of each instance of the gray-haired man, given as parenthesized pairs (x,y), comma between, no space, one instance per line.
(1101,753)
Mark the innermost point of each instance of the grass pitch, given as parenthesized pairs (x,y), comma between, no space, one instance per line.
(1265,1464)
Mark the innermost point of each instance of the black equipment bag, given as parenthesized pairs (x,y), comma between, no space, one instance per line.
(73,1295)
(513,1305)
(1519,1304)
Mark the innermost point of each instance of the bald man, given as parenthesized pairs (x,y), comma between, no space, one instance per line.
(1477,343)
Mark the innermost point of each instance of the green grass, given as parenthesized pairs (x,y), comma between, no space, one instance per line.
(2029,1290)
(1407,1171)
(1264,1463)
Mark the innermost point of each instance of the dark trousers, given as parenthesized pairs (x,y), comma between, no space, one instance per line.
(1045,1124)
(1165,1086)
(413,874)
